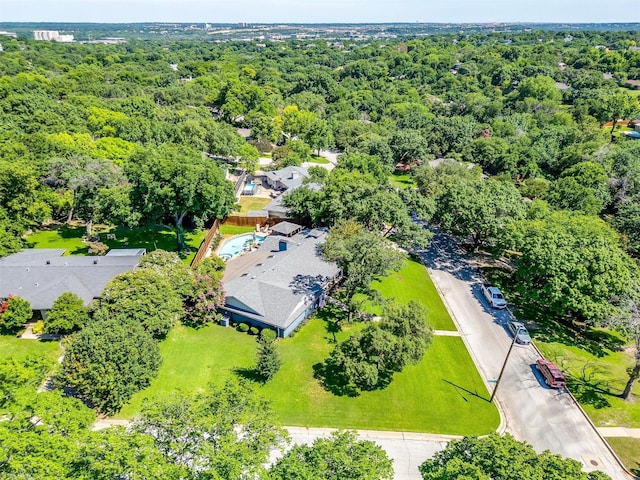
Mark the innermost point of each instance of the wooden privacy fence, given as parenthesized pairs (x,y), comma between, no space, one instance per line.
(242,221)
(206,243)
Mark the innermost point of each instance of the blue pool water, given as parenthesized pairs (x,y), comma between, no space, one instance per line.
(235,245)
(249,189)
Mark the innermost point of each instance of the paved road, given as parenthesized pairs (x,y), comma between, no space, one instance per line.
(407,450)
(544,417)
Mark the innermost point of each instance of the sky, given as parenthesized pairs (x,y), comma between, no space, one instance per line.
(319,11)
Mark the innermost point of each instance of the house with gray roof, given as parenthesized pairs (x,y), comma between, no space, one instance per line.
(41,275)
(284,283)
(286,178)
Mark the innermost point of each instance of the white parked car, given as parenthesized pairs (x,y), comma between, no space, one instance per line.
(494,296)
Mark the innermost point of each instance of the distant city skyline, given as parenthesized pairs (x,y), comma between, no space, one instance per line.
(318,11)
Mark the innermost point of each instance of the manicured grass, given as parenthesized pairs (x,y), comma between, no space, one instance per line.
(235,230)
(443,394)
(402,180)
(151,238)
(628,449)
(413,282)
(318,160)
(596,378)
(11,346)
(191,359)
(252,203)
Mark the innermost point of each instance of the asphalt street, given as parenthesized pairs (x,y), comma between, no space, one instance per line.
(544,417)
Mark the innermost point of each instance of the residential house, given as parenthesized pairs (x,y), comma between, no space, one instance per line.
(282,282)
(41,275)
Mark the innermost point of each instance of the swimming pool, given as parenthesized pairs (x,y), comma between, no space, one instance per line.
(249,189)
(235,245)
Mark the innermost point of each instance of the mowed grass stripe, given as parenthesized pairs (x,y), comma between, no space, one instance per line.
(413,282)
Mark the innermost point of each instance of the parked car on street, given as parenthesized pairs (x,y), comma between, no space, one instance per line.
(520,333)
(494,296)
(551,374)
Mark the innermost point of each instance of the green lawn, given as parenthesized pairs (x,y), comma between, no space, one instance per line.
(628,449)
(413,282)
(191,359)
(440,395)
(11,346)
(402,180)
(318,160)
(151,238)
(235,229)
(596,375)
(253,203)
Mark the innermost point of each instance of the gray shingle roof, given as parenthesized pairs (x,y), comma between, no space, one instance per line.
(285,228)
(279,289)
(42,275)
(290,177)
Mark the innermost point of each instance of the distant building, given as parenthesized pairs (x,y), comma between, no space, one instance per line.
(41,275)
(285,180)
(51,36)
(4,33)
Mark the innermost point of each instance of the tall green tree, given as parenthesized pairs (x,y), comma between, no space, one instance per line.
(220,433)
(339,457)
(479,210)
(363,256)
(571,265)
(171,182)
(501,457)
(145,296)
(108,361)
(90,182)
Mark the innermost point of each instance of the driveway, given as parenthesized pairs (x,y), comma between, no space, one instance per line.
(544,417)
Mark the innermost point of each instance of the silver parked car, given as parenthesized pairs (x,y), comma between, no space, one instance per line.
(519,331)
(494,296)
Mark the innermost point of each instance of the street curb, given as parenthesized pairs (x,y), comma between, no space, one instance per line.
(611,450)
(502,427)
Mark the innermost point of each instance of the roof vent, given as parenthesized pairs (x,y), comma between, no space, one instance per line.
(253,276)
(48,262)
(28,269)
(66,264)
(37,284)
(95,262)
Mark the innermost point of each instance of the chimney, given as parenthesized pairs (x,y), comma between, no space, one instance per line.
(282,246)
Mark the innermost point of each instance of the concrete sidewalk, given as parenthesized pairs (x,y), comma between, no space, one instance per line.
(619,432)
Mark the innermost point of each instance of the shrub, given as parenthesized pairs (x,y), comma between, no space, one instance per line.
(38,327)
(267,335)
(15,312)
(243,327)
(254,331)
(67,315)
(268,361)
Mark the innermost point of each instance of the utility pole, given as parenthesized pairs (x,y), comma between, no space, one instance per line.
(504,365)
